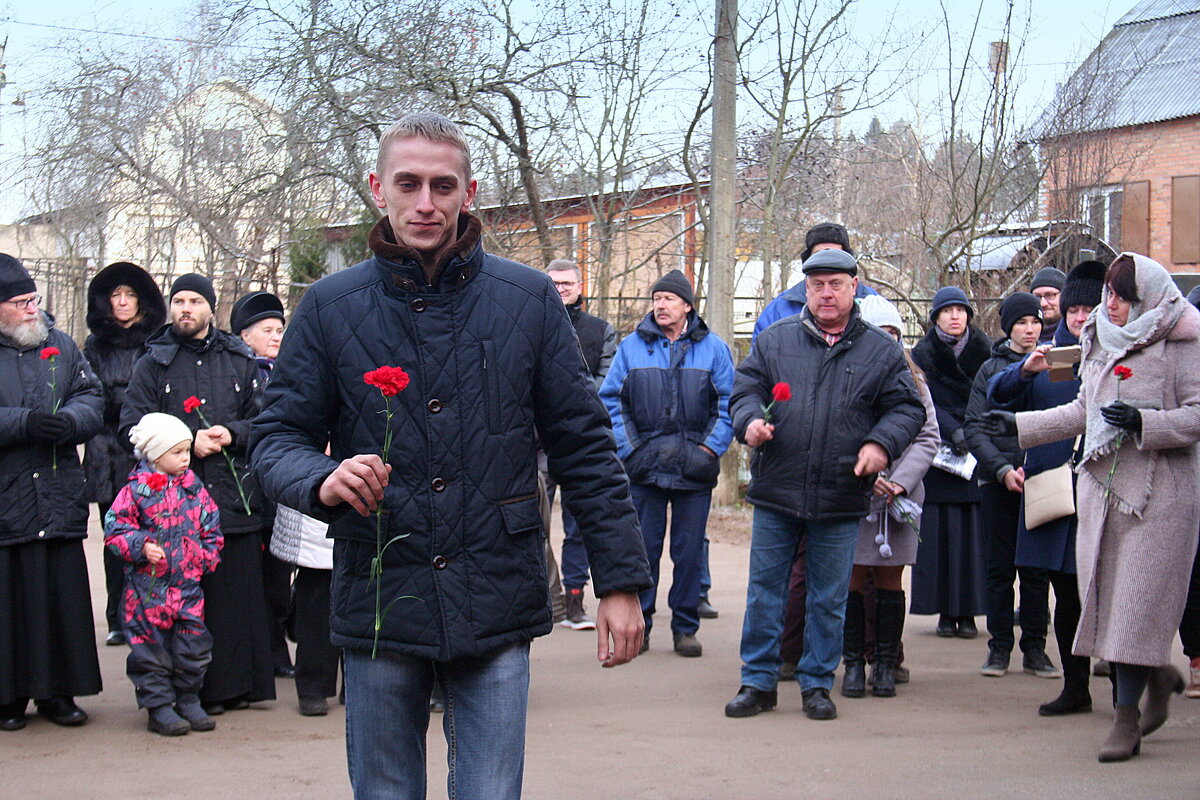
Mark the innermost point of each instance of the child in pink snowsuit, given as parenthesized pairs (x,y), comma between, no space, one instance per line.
(166,527)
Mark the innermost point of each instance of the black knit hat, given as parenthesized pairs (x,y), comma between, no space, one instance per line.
(950,296)
(1193,296)
(1016,306)
(1048,276)
(1083,286)
(194,282)
(825,233)
(253,307)
(14,278)
(830,261)
(676,283)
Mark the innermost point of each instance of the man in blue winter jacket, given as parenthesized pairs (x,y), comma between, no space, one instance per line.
(440,574)
(668,396)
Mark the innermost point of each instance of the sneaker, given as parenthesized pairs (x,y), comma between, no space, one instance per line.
(705,609)
(996,665)
(577,618)
(1193,687)
(687,645)
(1036,662)
(817,704)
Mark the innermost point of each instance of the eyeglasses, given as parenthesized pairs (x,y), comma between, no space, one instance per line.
(565,284)
(21,305)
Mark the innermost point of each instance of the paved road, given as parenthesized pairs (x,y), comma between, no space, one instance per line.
(652,729)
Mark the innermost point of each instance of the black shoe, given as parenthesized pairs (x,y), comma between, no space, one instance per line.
(115,638)
(947,626)
(751,701)
(817,704)
(705,609)
(902,675)
(214,709)
(996,664)
(854,680)
(318,707)
(1101,668)
(966,628)
(645,643)
(1036,662)
(165,722)
(687,645)
(62,711)
(12,715)
(285,671)
(1069,702)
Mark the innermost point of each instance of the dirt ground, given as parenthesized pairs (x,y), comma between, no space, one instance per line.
(651,729)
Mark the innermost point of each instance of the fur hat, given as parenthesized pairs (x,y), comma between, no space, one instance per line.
(880,312)
(676,283)
(1083,286)
(830,261)
(825,233)
(14,278)
(252,308)
(1048,276)
(950,296)
(156,433)
(1016,306)
(194,282)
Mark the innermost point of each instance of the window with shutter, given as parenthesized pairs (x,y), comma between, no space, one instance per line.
(1185,219)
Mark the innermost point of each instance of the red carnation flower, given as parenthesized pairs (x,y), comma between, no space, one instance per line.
(390,381)
(191,404)
(157,482)
(1122,372)
(781,392)
(49,352)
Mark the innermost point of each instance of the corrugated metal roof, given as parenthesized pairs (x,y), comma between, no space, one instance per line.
(1148,10)
(1147,69)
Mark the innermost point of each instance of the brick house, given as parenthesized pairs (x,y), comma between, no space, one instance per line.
(1131,167)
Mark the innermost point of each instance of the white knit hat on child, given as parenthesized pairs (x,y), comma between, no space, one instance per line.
(157,433)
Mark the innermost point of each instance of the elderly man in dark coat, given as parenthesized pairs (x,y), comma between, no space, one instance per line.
(49,403)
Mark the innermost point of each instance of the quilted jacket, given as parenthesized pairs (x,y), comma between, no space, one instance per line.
(666,399)
(494,367)
(859,390)
(36,500)
(222,373)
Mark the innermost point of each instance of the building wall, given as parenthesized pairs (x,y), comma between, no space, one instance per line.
(1156,154)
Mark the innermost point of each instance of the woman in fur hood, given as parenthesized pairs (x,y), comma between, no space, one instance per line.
(1138,491)
(125,307)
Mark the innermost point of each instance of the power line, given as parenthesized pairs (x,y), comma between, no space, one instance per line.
(173,39)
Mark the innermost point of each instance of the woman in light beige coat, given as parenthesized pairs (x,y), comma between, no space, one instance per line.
(1138,491)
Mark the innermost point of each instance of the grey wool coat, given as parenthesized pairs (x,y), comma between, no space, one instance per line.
(1134,548)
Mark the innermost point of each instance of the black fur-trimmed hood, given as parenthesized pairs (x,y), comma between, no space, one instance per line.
(957,374)
(99,311)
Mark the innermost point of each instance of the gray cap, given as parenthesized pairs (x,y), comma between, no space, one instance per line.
(830,261)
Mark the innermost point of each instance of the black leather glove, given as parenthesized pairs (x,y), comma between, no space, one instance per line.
(999,423)
(1122,415)
(958,442)
(45,427)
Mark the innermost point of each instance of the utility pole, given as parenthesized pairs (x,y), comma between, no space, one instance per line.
(722,185)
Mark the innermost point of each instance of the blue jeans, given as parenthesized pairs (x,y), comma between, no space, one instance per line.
(830,557)
(387,717)
(689,518)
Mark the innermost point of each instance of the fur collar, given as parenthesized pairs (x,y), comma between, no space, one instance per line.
(99,309)
(383,244)
(957,374)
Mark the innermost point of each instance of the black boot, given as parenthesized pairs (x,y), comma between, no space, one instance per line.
(889,627)
(854,680)
(1075,697)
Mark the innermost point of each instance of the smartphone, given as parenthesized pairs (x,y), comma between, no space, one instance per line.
(1062,361)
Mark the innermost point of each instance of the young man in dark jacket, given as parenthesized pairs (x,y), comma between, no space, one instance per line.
(447,581)
(853,408)
(189,358)
(1001,476)
(668,397)
(49,403)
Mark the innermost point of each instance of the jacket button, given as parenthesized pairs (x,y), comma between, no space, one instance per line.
(418,305)
(199,362)
(440,562)
(437,484)
(434,406)
(36,475)
(41,533)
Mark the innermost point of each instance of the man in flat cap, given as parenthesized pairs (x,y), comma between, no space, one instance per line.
(50,401)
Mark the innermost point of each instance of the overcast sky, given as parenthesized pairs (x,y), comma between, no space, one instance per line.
(1061,34)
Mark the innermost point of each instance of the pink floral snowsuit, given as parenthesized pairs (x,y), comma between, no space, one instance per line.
(163,604)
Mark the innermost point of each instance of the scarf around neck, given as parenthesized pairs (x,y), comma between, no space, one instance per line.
(955,343)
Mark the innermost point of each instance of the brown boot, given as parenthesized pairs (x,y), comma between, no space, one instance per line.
(1124,740)
(1164,681)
